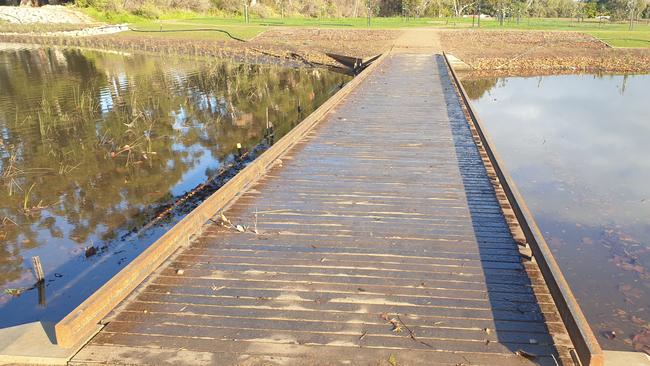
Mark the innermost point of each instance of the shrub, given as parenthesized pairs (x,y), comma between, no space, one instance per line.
(113,6)
(148,10)
(229,6)
(261,11)
(193,5)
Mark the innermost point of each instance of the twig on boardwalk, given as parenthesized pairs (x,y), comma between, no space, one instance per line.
(411,334)
(363,335)
(399,325)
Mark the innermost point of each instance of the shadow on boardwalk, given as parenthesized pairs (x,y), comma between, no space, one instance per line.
(487,225)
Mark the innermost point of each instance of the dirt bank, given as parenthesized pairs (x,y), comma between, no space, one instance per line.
(294,45)
(540,52)
(488,52)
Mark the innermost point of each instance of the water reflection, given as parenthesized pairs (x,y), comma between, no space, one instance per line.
(92,144)
(577,149)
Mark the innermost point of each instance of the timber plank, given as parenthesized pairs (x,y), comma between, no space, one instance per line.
(383,211)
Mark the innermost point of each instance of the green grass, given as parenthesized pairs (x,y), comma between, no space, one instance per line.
(111,17)
(615,34)
(376,23)
(636,39)
(192,30)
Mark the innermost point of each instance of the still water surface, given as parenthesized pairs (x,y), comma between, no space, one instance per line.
(94,145)
(577,147)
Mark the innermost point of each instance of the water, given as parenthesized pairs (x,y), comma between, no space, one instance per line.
(577,148)
(94,145)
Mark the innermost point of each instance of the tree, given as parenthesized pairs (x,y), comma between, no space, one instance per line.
(634,8)
(459,6)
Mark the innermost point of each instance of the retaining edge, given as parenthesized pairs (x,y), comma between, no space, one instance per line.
(582,337)
(83,320)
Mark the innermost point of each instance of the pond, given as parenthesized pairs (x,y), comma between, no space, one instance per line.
(97,149)
(577,148)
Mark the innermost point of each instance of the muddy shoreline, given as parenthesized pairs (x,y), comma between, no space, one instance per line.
(290,47)
(535,53)
(488,53)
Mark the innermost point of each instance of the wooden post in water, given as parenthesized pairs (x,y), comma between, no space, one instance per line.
(42,302)
(38,269)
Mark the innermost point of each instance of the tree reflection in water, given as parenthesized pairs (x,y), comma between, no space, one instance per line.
(91,143)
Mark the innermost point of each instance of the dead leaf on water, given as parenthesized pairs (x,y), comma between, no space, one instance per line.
(641,341)
(587,240)
(638,321)
(14,291)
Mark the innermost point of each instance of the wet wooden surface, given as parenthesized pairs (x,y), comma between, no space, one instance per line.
(379,241)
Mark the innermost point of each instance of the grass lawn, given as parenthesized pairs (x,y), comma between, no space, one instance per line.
(197,30)
(637,38)
(615,34)
(189,25)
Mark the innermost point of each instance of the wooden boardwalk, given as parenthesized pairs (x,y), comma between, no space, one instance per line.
(380,242)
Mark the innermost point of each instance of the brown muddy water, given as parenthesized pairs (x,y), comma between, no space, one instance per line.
(95,145)
(577,148)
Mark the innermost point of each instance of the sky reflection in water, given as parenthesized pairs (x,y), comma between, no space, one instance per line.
(577,148)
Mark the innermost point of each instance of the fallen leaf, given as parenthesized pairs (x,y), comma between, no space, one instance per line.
(522,353)
(14,291)
(587,240)
(392,360)
(397,326)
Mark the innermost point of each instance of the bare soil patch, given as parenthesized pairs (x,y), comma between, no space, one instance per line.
(540,52)
(315,42)
(286,45)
